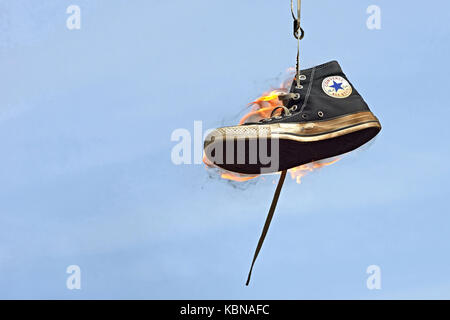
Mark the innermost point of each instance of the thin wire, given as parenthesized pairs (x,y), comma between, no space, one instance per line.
(292,9)
(298,36)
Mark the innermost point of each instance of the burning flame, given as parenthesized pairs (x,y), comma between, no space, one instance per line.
(234,177)
(298,172)
(262,108)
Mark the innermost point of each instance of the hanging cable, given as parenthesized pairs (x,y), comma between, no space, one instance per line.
(298,34)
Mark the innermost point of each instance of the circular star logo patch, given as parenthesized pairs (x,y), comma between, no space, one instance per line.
(336,87)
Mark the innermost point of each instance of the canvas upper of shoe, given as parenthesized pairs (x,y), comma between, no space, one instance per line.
(314,104)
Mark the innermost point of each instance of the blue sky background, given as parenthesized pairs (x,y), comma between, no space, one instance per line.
(87,179)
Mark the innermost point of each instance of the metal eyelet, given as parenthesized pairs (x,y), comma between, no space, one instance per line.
(278,117)
(304,116)
(302,77)
(296,96)
(320,114)
(299,87)
(294,107)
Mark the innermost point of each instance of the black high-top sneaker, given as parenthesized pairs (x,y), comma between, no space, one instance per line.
(323,117)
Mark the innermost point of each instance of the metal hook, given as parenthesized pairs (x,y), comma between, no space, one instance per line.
(298,29)
(299,33)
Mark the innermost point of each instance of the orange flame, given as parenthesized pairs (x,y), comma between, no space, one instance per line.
(262,108)
(298,172)
(234,177)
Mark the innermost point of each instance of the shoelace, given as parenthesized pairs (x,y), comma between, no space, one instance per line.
(285,111)
(285,98)
(267,223)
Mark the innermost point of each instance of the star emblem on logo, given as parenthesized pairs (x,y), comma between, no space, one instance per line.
(336,86)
